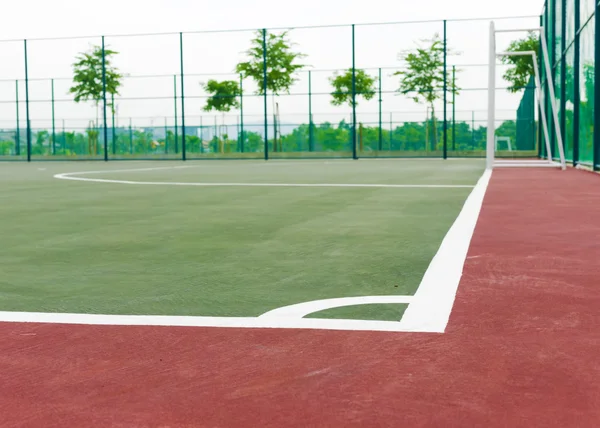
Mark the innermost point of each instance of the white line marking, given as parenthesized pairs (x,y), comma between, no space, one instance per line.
(428,312)
(432,304)
(174,321)
(74,177)
(303,309)
(158,168)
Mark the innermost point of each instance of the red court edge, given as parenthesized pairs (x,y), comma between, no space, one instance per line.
(521,349)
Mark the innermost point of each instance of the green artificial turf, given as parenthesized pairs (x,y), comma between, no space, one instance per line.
(80,247)
(374,312)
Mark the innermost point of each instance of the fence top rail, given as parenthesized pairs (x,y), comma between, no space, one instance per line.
(291,27)
(233,73)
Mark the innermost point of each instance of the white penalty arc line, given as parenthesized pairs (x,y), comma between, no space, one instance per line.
(75,176)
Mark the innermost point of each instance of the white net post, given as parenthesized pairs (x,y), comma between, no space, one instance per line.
(491,126)
(491,132)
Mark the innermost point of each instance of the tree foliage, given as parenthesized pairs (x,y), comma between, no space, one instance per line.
(342,85)
(87,75)
(223,95)
(521,67)
(423,78)
(282,64)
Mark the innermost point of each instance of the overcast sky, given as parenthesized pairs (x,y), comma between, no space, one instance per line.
(327,49)
(38,18)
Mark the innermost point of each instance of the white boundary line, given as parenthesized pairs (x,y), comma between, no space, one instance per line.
(428,311)
(174,321)
(74,176)
(432,304)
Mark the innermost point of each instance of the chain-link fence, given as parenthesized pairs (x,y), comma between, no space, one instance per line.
(345,99)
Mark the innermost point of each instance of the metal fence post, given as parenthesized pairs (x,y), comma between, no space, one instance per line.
(310,116)
(27,105)
(183,151)
(576,83)
(265,83)
(104,100)
(18,133)
(540,139)
(380,113)
(354,154)
(242,113)
(445,148)
(551,40)
(563,80)
(53,124)
(597,92)
(176,135)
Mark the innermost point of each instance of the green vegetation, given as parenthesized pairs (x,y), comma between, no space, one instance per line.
(423,79)
(281,69)
(281,63)
(223,98)
(223,95)
(343,87)
(89,77)
(327,137)
(521,67)
(6,147)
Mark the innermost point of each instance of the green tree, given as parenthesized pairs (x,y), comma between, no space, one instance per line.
(92,134)
(334,139)
(281,64)
(223,98)
(223,95)
(40,139)
(169,141)
(342,85)
(587,124)
(6,147)
(281,67)
(87,76)
(521,67)
(69,141)
(142,141)
(423,78)
(254,141)
(193,144)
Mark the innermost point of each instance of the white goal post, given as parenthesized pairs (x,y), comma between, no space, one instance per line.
(492,162)
(505,140)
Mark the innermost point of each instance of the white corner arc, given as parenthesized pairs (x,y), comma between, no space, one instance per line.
(301,310)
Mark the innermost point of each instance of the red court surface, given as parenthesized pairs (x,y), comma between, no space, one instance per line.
(521,350)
